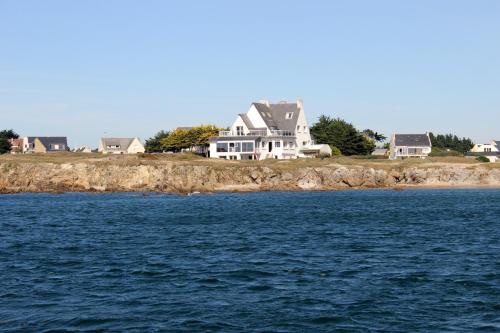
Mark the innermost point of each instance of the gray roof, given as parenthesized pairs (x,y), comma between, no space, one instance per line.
(274,115)
(47,141)
(412,140)
(123,143)
(246,120)
(498,144)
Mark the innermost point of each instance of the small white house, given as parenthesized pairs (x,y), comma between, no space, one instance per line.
(410,145)
(267,130)
(121,146)
(489,150)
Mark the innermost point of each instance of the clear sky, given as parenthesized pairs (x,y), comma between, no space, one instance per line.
(93,68)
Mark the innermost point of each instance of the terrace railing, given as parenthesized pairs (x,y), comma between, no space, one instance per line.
(258,133)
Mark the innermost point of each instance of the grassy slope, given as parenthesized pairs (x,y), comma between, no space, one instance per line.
(159,159)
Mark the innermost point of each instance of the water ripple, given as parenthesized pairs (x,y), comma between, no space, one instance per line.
(349,261)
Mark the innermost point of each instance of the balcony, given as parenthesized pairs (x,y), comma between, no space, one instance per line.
(258,133)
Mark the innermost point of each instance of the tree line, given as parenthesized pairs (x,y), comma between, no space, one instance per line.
(452,142)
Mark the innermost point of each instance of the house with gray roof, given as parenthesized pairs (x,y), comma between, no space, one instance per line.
(44,144)
(267,130)
(121,146)
(489,150)
(410,145)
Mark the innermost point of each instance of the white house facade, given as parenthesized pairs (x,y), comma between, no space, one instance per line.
(267,131)
(410,145)
(121,146)
(489,150)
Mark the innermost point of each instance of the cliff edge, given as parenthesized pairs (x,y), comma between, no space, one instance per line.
(186,176)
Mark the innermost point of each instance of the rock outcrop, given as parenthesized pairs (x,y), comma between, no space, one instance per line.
(185,178)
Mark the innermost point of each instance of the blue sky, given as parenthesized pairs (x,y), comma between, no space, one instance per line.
(93,68)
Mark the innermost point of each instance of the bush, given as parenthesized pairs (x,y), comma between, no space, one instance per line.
(483,159)
(336,151)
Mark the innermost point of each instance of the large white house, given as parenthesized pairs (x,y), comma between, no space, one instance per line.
(267,131)
(120,146)
(410,145)
(489,150)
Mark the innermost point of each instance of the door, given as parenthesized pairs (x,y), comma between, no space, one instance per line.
(270,146)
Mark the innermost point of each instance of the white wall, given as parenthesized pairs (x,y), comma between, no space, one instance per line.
(303,134)
(136,147)
(239,122)
(481,148)
(255,117)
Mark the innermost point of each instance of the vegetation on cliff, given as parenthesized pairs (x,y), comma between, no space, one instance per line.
(182,138)
(343,135)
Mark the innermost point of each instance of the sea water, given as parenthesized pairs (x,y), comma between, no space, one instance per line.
(350,261)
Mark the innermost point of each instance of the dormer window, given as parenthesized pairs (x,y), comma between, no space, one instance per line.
(289,115)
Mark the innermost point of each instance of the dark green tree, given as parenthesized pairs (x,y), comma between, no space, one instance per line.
(451,142)
(343,135)
(9,134)
(153,145)
(378,137)
(5,136)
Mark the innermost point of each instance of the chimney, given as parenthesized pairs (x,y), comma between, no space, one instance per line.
(264,101)
(300,104)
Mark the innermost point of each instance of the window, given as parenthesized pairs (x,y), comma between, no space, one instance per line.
(289,115)
(247,147)
(305,129)
(290,144)
(298,128)
(239,130)
(222,147)
(304,143)
(277,144)
(234,147)
(285,144)
(263,144)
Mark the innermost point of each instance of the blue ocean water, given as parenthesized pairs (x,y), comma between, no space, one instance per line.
(348,261)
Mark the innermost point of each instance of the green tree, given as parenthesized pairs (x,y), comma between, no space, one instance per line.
(176,141)
(197,136)
(5,136)
(451,142)
(343,135)
(153,145)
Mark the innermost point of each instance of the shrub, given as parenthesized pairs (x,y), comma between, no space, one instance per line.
(336,151)
(483,159)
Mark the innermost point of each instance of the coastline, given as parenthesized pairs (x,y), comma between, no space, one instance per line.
(150,173)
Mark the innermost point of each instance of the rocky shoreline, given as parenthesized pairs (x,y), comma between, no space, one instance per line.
(185,178)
